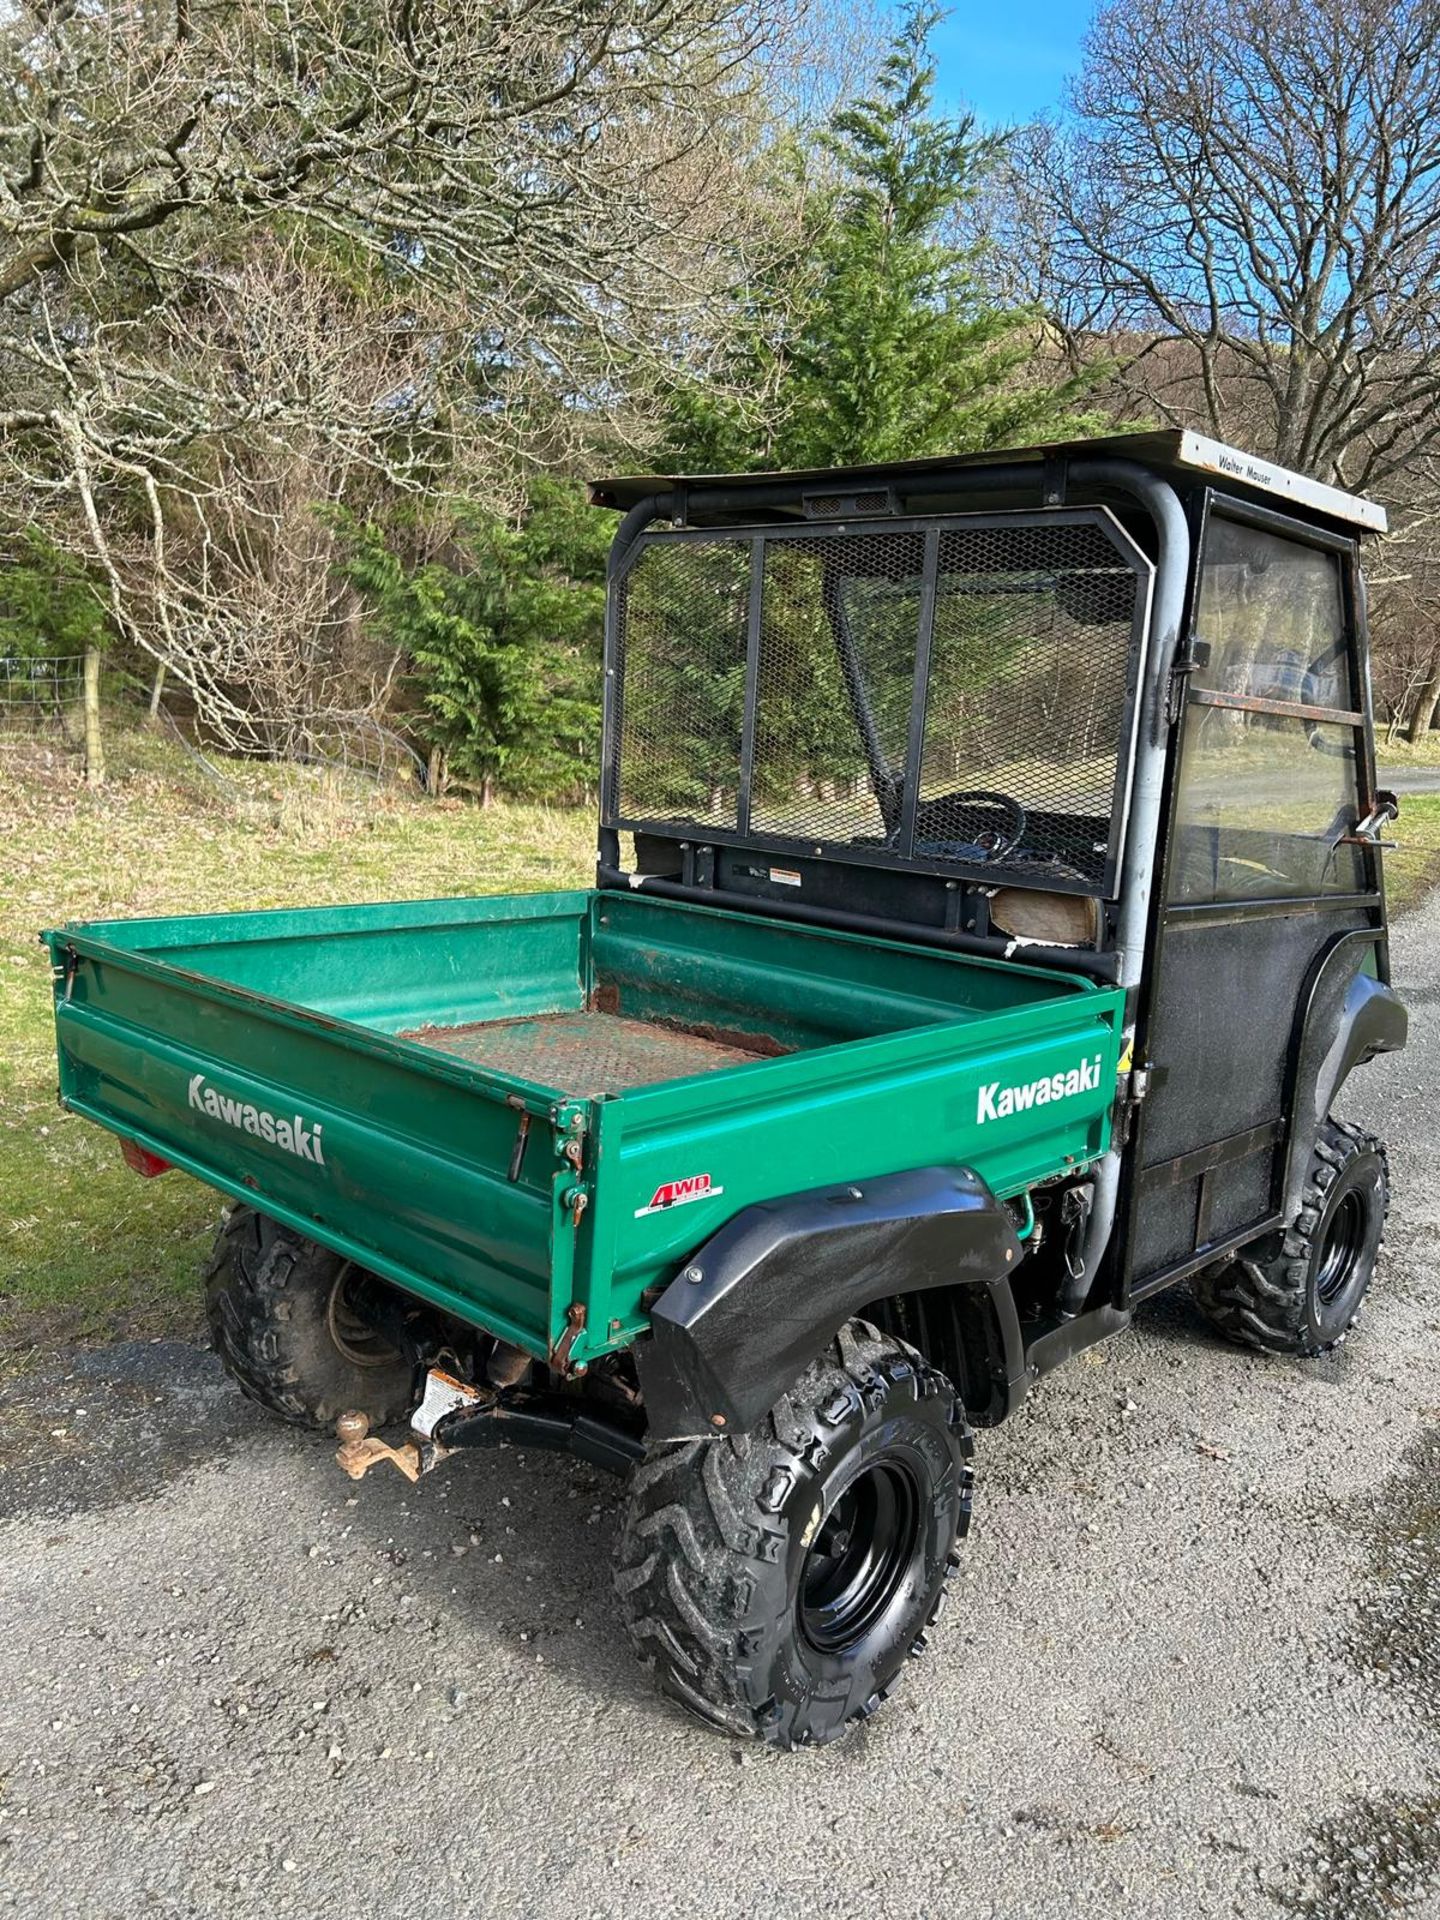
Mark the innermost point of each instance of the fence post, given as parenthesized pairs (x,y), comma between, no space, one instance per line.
(94,744)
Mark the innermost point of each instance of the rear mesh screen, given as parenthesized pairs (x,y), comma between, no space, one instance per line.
(941,695)
(812,777)
(681,624)
(1028,671)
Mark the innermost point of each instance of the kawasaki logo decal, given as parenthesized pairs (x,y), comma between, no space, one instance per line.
(675,1193)
(290,1135)
(998,1103)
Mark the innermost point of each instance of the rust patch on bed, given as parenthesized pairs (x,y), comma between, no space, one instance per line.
(591,1052)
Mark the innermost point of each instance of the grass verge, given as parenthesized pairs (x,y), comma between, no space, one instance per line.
(1414,867)
(87,1249)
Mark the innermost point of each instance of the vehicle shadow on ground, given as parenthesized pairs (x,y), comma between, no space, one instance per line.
(94,1428)
(505,1548)
(1174,1316)
(553,1520)
(512,1545)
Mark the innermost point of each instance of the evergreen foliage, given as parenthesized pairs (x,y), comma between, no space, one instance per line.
(502,633)
(891,349)
(49,602)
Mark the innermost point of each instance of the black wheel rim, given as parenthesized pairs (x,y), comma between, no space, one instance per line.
(1342,1247)
(860,1558)
(355,1339)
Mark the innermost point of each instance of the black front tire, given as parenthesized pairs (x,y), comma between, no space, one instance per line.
(1301,1291)
(277,1309)
(777,1581)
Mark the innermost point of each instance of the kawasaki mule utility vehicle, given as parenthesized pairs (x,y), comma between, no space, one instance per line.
(988,914)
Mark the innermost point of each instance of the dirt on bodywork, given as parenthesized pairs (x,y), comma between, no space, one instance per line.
(595,1050)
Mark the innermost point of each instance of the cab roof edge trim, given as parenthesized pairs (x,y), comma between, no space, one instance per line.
(1165,450)
(1202,455)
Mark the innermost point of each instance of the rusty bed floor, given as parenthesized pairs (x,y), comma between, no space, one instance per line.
(586,1053)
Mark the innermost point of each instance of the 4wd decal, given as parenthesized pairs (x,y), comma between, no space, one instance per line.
(675,1193)
(291,1135)
(998,1103)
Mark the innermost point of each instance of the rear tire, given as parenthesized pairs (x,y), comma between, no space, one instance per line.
(777,1581)
(1301,1291)
(276,1307)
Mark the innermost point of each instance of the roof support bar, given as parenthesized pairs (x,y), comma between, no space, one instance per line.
(1137,877)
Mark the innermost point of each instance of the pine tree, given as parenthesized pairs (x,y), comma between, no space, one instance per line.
(502,637)
(890,348)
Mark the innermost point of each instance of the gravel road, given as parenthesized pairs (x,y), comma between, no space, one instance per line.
(1191,1668)
(1410,779)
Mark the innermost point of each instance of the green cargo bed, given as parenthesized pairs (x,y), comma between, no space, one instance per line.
(531,1109)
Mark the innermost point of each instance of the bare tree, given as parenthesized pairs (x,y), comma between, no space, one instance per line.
(1259,179)
(388,242)
(1243,213)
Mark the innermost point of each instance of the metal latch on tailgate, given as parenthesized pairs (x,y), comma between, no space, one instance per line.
(1133,1086)
(574,1327)
(570,1147)
(570,1138)
(68,970)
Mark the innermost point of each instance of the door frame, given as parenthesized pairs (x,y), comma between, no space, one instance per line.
(1205,1161)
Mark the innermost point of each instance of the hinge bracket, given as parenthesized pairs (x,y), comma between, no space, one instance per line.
(574,1327)
(1179,683)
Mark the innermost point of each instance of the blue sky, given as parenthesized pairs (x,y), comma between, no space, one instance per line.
(1009,59)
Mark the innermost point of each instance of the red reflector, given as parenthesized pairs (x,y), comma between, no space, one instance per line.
(145,1164)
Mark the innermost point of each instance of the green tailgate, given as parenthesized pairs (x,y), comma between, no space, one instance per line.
(266,1053)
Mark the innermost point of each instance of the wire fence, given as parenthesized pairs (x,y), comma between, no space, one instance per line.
(44,693)
(352,743)
(41,688)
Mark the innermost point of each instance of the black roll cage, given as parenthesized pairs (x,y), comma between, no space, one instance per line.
(947,908)
(882,776)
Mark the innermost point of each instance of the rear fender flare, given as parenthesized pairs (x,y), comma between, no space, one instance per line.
(753,1306)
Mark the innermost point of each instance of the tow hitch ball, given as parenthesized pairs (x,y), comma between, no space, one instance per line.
(359,1450)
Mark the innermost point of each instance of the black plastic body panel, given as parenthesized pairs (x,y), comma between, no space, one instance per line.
(746,1316)
(1348,1017)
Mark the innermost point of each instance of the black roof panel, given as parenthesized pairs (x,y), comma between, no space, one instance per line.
(1168,450)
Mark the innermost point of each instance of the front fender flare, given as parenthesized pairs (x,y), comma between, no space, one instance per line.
(752,1308)
(1349,1016)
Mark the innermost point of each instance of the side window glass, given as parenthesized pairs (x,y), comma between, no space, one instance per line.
(1269,619)
(1266,798)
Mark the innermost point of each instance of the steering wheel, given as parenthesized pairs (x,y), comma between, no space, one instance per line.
(990,842)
